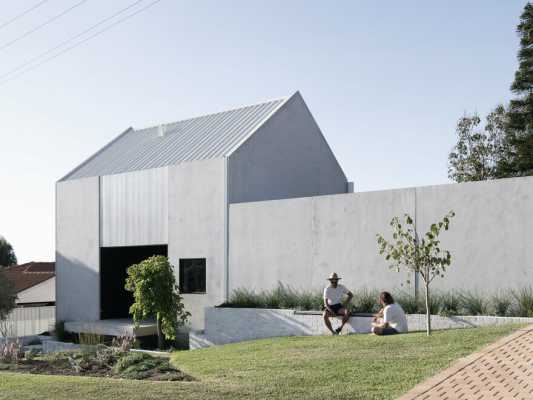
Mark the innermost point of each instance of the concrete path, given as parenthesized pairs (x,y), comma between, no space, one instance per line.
(501,371)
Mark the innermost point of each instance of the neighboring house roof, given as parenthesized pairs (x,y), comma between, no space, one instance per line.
(25,276)
(209,136)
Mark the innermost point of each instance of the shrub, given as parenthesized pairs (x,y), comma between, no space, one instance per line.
(365,301)
(140,365)
(407,301)
(524,301)
(450,304)
(501,303)
(11,351)
(474,303)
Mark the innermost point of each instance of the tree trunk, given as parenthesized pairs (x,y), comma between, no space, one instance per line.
(428,311)
(160,343)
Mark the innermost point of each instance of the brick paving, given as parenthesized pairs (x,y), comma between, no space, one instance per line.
(501,371)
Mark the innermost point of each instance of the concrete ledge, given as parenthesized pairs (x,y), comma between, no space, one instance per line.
(112,327)
(229,325)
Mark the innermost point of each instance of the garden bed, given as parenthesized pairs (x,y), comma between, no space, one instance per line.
(102,361)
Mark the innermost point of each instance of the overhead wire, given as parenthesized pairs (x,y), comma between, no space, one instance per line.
(18,16)
(42,25)
(21,68)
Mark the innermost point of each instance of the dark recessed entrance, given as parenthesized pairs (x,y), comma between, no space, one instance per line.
(115,301)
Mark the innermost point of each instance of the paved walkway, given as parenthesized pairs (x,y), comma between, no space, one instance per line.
(501,371)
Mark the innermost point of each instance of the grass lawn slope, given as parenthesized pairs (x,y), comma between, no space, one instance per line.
(345,367)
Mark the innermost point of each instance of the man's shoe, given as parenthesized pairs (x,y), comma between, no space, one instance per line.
(338,330)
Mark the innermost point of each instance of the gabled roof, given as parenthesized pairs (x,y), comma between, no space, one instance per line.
(25,276)
(209,136)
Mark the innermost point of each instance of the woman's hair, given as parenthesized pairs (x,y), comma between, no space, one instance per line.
(386,298)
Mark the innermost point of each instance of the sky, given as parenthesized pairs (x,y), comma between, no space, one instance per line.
(385,83)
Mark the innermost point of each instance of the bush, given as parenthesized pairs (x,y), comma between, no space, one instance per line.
(365,301)
(523,301)
(450,304)
(140,365)
(517,303)
(474,303)
(501,303)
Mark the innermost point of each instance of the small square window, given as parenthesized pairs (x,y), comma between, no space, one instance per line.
(192,275)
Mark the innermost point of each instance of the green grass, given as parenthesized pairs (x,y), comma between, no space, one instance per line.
(342,367)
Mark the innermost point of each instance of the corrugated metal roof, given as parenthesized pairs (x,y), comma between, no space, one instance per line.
(208,136)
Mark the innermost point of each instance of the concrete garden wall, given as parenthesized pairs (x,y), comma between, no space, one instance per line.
(230,325)
(299,242)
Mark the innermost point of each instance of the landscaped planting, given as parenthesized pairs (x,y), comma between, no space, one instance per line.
(507,303)
(95,361)
(361,367)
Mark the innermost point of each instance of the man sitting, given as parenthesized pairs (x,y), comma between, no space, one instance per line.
(333,304)
(391,318)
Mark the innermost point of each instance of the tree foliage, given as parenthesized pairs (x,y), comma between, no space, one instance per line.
(156,295)
(7,300)
(7,254)
(422,256)
(520,126)
(479,152)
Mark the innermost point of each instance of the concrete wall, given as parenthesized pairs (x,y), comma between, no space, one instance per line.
(44,292)
(300,241)
(134,208)
(230,325)
(287,157)
(196,228)
(77,249)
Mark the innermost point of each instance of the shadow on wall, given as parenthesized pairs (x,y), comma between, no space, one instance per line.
(77,290)
(234,325)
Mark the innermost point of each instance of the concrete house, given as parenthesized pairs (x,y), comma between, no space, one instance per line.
(167,190)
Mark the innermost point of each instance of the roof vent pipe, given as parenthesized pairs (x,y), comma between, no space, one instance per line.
(161,130)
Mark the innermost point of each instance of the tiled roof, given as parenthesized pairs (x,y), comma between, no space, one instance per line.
(30,274)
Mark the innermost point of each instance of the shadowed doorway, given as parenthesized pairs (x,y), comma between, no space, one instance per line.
(115,301)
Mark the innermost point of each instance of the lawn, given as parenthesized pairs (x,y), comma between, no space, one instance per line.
(342,367)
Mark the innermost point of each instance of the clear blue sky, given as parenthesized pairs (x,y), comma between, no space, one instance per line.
(385,83)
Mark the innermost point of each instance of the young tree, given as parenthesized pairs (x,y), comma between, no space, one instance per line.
(520,125)
(478,152)
(7,254)
(7,301)
(424,256)
(156,296)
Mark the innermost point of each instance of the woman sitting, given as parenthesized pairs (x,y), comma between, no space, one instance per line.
(391,318)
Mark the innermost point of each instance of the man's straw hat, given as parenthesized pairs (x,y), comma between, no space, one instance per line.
(333,276)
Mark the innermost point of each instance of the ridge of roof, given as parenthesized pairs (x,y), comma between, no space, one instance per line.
(203,137)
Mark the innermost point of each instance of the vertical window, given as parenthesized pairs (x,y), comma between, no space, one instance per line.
(192,275)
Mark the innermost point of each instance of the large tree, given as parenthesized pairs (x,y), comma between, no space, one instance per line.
(520,114)
(479,151)
(7,254)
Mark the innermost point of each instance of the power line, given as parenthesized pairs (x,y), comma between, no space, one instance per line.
(16,17)
(47,22)
(70,40)
(97,33)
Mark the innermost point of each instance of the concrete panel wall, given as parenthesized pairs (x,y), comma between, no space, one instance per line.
(300,241)
(134,208)
(490,237)
(77,249)
(287,157)
(197,214)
